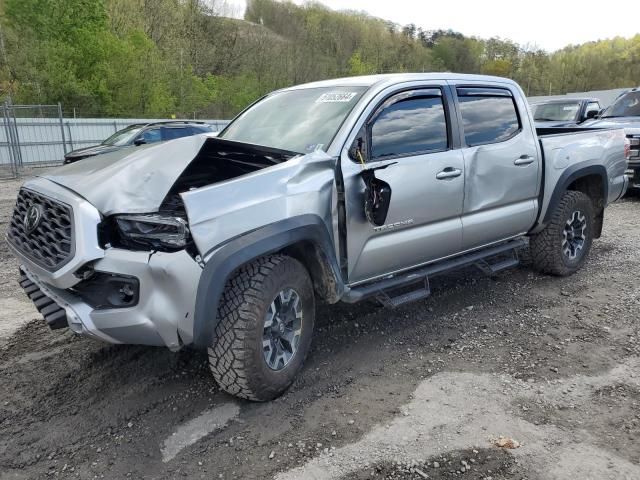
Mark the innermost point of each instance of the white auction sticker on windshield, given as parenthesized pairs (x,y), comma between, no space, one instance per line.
(332,97)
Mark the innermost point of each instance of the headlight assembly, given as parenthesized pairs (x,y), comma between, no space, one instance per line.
(153,231)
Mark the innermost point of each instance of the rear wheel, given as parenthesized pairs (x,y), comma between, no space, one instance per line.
(563,246)
(265,326)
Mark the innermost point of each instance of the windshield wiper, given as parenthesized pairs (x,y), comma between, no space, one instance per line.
(548,120)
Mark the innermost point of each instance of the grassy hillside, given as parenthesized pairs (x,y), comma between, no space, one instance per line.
(180,57)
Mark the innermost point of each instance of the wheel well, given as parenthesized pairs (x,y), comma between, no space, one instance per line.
(325,283)
(593,187)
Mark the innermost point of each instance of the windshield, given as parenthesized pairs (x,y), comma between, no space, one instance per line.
(300,121)
(556,111)
(628,105)
(124,136)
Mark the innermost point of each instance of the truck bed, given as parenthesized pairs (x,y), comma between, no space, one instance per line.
(591,148)
(549,131)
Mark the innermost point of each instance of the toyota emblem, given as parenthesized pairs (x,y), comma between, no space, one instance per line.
(32,218)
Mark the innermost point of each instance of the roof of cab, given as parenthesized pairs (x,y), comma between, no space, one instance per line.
(392,78)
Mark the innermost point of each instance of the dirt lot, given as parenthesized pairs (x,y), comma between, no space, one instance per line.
(424,391)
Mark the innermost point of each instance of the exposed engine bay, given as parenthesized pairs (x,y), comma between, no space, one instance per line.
(217,161)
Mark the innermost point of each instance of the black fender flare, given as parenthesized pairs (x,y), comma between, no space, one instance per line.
(231,255)
(569,176)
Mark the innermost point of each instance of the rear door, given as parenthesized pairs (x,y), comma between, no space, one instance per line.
(501,163)
(411,131)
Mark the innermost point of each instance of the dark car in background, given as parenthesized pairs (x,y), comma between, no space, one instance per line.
(140,134)
(625,112)
(565,112)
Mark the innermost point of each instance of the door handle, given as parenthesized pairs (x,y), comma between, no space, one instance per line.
(448,173)
(524,160)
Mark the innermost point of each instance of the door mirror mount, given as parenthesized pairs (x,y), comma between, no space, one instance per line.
(357,151)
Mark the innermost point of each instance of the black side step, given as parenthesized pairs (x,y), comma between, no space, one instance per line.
(491,268)
(54,315)
(384,289)
(395,297)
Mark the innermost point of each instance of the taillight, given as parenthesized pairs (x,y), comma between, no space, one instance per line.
(632,148)
(627,148)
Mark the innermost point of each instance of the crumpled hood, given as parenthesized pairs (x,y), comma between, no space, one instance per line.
(131,180)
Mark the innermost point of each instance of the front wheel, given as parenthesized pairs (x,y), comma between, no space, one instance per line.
(266,319)
(563,246)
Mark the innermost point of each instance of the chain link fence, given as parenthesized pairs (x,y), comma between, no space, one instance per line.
(40,135)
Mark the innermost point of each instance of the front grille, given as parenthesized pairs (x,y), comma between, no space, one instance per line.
(634,152)
(48,244)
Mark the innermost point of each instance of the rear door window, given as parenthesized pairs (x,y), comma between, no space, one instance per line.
(171,133)
(489,115)
(412,125)
(152,135)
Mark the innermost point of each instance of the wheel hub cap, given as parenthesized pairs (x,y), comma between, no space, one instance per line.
(282,329)
(573,236)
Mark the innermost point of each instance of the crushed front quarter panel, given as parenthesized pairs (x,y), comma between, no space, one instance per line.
(222,211)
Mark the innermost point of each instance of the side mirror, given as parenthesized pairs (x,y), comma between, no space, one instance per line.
(591,114)
(377,196)
(139,141)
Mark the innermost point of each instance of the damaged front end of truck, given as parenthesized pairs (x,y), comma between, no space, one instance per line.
(122,240)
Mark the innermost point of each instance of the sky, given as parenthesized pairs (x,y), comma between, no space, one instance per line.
(547,24)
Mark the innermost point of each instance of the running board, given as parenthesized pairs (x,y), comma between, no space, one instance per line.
(396,290)
(491,268)
(394,297)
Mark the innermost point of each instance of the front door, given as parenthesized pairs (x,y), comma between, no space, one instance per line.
(411,132)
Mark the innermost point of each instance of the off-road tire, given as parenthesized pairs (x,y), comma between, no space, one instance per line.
(546,246)
(236,356)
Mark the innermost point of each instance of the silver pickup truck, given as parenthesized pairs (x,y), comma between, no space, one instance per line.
(341,190)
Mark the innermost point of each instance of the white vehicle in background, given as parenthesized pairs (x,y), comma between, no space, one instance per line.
(564,112)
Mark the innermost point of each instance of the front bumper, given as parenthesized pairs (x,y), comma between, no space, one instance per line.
(166,296)
(163,315)
(633,174)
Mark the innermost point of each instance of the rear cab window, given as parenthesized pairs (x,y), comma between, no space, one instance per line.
(489,115)
(592,107)
(409,123)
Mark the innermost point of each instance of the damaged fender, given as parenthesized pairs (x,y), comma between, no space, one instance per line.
(279,207)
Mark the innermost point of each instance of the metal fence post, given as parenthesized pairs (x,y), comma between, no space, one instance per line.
(70,136)
(64,142)
(12,160)
(13,131)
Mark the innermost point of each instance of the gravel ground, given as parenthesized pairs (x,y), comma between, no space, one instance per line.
(548,365)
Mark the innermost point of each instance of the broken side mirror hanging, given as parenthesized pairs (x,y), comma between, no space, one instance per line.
(377,196)
(377,193)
